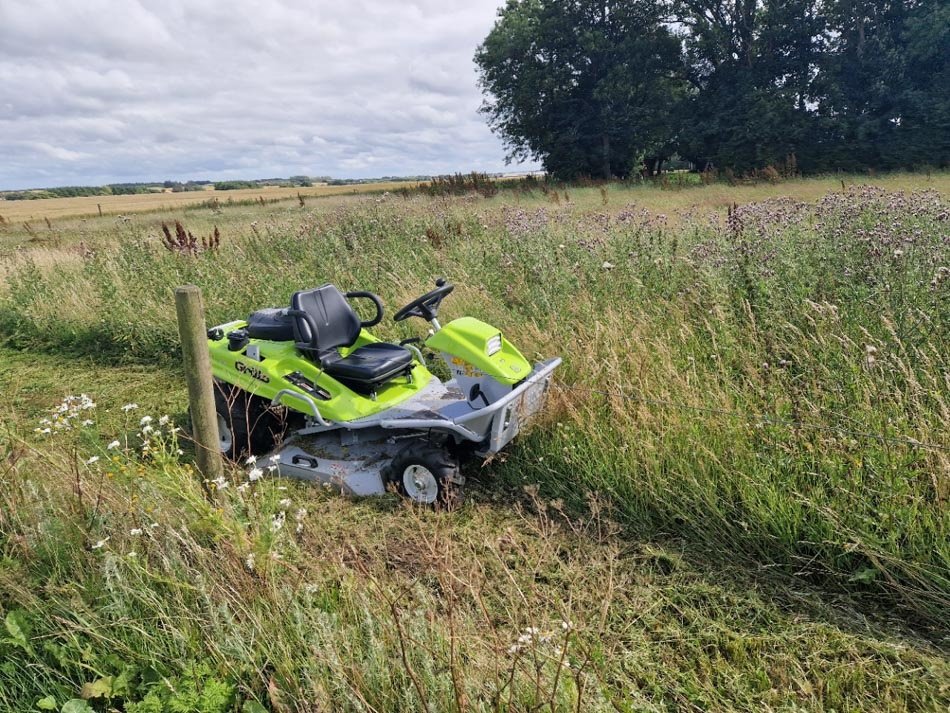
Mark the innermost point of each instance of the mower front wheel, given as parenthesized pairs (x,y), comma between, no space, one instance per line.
(426,474)
(247,425)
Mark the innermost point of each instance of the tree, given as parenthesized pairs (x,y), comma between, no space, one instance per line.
(925,96)
(754,72)
(841,84)
(890,75)
(588,87)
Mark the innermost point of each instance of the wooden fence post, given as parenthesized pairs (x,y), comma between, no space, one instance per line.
(197,363)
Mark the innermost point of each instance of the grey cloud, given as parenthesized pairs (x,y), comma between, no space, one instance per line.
(116,90)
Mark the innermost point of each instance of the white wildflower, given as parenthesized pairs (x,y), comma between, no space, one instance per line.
(113,445)
(271,468)
(251,460)
(136,531)
(163,421)
(567,625)
(278,521)
(132,555)
(129,407)
(299,517)
(145,420)
(255,474)
(100,543)
(607,265)
(146,429)
(249,562)
(243,486)
(285,503)
(220,483)
(275,458)
(87,422)
(92,460)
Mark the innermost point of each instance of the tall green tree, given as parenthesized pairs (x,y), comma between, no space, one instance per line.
(889,70)
(754,72)
(588,87)
(925,96)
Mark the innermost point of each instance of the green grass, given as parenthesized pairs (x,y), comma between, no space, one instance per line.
(738,496)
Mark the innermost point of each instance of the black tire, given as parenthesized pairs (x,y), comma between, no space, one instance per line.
(426,474)
(247,424)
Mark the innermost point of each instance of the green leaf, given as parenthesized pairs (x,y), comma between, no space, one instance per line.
(17,627)
(253,707)
(46,704)
(864,576)
(122,685)
(76,705)
(101,688)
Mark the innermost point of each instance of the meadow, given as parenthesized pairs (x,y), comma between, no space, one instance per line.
(736,500)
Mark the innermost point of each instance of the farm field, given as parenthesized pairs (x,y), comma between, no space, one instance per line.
(737,500)
(40,210)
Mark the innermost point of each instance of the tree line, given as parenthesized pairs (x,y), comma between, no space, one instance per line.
(611,87)
(112,189)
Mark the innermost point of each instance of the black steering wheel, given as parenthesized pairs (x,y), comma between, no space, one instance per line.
(426,306)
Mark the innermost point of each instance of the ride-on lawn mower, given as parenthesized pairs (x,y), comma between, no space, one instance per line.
(361,414)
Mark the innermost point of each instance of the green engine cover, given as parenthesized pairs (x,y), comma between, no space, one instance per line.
(474,346)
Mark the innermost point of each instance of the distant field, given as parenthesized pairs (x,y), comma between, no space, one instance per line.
(116,205)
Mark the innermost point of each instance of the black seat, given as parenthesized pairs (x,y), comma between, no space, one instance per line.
(272,323)
(323,321)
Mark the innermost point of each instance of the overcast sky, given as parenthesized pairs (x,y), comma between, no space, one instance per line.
(104,91)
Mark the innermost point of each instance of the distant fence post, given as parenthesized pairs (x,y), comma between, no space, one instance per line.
(197,363)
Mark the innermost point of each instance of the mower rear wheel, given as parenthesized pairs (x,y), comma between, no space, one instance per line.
(426,474)
(247,425)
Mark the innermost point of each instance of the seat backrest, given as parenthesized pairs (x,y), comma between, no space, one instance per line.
(337,323)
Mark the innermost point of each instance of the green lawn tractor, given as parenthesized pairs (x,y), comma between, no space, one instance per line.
(337,406)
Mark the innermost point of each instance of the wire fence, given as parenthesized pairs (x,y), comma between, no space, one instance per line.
(756,418)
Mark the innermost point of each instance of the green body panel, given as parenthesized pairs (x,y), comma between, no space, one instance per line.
(466,339)
(267,377)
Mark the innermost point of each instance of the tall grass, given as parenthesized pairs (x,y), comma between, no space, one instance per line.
(771,385)
(123,589)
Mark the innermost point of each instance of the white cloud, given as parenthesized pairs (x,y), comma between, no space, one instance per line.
(117,90)
(57,153)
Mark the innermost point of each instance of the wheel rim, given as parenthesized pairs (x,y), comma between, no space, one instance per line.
(420,484)
(225,439)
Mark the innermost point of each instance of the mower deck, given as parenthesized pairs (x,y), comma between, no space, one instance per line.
(352,456)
